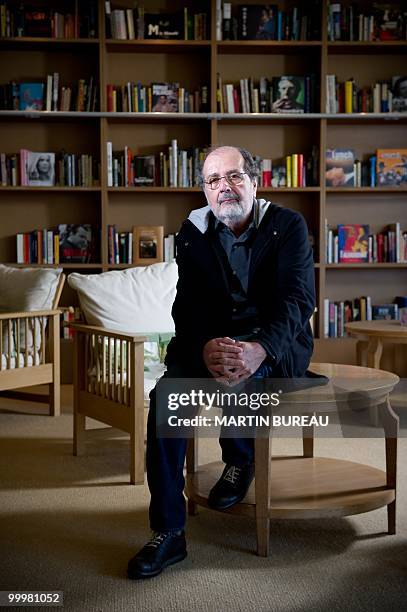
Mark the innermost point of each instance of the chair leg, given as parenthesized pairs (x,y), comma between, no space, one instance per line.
(390,422)
(79,429)
(192,508)
(136,459)
(54,399)
(263,536)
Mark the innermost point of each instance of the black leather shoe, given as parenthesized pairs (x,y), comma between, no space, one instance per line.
(231,487)
(162,550)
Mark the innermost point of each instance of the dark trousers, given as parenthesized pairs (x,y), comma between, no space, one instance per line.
(166,458)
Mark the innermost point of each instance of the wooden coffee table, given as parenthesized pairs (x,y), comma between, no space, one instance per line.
(371,336)
(306,486)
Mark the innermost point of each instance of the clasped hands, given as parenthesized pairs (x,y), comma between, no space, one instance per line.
(232,361)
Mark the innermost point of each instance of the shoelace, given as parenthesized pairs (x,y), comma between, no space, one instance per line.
(157,539)
(232,474)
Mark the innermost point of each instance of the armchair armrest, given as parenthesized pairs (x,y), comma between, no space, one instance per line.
(109,333)
(32,313)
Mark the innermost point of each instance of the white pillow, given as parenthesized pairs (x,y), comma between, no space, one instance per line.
(136,300)
(27,289)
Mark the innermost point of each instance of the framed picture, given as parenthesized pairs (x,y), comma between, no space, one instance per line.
(148,242)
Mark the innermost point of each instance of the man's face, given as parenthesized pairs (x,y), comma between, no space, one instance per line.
(229,203)
(286,89)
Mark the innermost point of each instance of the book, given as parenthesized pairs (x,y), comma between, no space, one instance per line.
(144,170)
(353,243)
(339,168)
(148,244)
(257,22)
(391,167)
(31,96)
(384,312)
(40,169)
(165,97)
(164,25)
(399,91)
(288,94)
(75,243)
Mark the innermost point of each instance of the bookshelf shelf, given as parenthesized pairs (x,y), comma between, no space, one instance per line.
(67,266)
(55,189)
(374,190)
(192,64)
(153,189)
(374,266)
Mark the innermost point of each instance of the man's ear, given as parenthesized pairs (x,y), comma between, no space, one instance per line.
(254,186)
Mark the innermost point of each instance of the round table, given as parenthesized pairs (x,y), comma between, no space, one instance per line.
(306,486)
(371,336)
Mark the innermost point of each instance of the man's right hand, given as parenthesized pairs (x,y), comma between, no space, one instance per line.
(221,357)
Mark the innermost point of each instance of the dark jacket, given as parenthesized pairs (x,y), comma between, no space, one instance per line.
(281,285)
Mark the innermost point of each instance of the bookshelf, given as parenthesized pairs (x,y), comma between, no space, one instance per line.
(270,135)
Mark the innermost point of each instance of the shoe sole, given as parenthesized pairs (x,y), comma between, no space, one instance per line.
(171,561)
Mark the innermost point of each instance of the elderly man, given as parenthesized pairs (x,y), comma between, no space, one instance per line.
(244,298)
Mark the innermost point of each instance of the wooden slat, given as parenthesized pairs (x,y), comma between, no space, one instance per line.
(108,333)
(10,335)
(32,375)
(26,342)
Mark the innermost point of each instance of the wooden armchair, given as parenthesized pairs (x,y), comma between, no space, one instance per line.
(112,370)
(30,352)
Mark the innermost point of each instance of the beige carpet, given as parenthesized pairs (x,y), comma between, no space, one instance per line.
(71,524)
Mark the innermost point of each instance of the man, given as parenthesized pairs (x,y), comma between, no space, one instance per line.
(244,298)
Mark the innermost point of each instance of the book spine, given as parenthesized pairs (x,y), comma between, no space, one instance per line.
(109,156)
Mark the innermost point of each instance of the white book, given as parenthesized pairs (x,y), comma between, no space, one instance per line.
(48,104)
(50,247)
(55,86)
(174,155)
(218,19)
(109,151)
(336,249)
(130,248)
(230,105)
(126,174)
(130,23)
(20,248)
(44,253)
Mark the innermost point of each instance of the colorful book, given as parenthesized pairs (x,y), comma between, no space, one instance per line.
(353,242)
(391,167)
(339,168)
(31,96)
(165,97)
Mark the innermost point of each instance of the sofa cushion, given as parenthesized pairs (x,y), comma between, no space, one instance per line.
(26,290)
(136,300)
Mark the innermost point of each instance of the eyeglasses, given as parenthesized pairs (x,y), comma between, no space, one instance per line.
(233,178)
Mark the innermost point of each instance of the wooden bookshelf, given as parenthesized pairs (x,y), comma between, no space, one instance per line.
(193,64)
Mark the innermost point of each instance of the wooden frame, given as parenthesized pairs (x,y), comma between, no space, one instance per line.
(148,242)
(109,387)
(47,371)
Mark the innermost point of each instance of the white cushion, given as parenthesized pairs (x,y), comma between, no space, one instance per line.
(136,300)
(27,289)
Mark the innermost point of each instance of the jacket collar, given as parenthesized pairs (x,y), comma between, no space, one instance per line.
(200,217)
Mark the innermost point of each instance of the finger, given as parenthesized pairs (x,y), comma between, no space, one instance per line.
(230,348)
(229,361)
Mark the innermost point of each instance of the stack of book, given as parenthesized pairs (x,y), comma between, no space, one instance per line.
(352,243)
(172,168)
(381,97)
(338,313)
(157,97)
(67,243)
(382,22)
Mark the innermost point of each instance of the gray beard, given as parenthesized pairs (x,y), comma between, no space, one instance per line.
(233,213)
